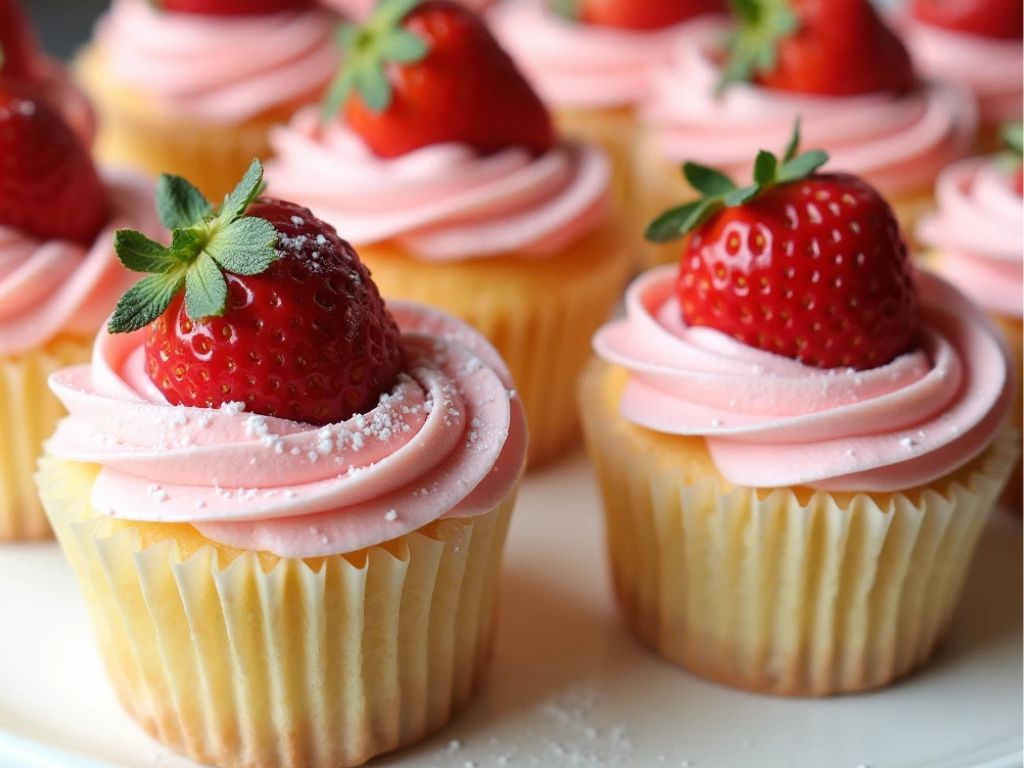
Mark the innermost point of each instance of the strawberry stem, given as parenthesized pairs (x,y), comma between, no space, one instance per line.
(753,47)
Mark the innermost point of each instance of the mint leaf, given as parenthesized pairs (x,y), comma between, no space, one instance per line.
(802,166)
(145,301)
(765,167)
(178,203)
(707,181)
(244,247)
(247,190)
(140,254)
(206,290)
(186,244)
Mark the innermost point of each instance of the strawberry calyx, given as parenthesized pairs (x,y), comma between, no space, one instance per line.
(572,10)
(368,49)
(1012,156)
(718,191)
(754,46)
(205,243)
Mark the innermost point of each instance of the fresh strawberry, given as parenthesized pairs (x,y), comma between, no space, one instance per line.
(278,312)
(48,184)
(421,73)
(822,47)
(231,7)
(997,19)
(809,266)
(630,14)
(19,49)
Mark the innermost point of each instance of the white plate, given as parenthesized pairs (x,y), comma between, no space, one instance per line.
(568,687)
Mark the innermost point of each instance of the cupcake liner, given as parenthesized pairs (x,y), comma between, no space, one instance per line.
(30,413)
(785,591)
(247,660)
(1013,330)
(614,131)
(543,337)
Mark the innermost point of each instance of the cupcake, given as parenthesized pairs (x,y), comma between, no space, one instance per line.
(728,91)
(798,439)
(362,9)
(977,44)
(285,502)
(193,86)
(447,176)
(592,62)
(58,278)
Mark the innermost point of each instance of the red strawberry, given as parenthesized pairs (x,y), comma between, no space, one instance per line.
(808,266)
(278,311)
(232,7)
(48,184)
(422,73)
(18,46)
(630,14)
(997,19)
(823,47)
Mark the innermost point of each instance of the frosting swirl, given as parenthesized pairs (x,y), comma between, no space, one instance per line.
(444,202)
(56,286)
(990,68)
(978,231)
(361,9)
(769,421)
(448,441)
(580,65)
(899,142)
(222,70)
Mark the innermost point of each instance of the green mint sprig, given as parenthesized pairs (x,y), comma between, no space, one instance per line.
(718,191)
(205,243)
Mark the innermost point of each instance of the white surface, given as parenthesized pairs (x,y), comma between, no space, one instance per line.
(568,687)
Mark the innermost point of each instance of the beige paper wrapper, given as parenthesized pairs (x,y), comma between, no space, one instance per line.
(539,313)
(786,591)
(30,414)
(252,661)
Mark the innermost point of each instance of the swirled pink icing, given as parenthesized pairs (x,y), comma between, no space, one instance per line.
(899,142)
(770,421)
(56,286)
(445,201)
(222,70)
(448,441)
(360,9)
(990,68)
(978,234)
(579,65)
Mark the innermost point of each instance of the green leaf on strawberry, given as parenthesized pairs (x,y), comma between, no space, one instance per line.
(1012,134)
(205,244)
(764,24)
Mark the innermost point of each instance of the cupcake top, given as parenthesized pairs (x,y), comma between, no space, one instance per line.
(796,339)
(361,9)
(977,44)
(279,406)
(445,149)
(217,67)
(594,55)
(859,98)
(977,230)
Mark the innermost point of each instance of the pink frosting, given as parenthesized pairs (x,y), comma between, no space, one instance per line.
(56,286)
(990,68)
(448,441)
(446,201)
(580,65)
(770,421)
(899,142)
(978,232)
(360,9)
(222,70)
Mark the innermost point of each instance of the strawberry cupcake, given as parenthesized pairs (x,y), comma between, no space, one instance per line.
(285,501)
(732,89)
(976,43)
(363,9)
(798,439)
(592,62)
(58,277)
(193,86)
(442,166)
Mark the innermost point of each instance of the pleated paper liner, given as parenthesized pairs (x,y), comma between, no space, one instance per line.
(787,591)
(251,661)
(612,129)
(30,413)
(1013,330)
(538,312)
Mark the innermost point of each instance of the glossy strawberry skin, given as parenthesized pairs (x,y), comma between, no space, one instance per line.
(309,339)
(49,187)
(842,48)
(815,270)
(232,7)
(466,90)
(19,44)
(996,19)
(644,16)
